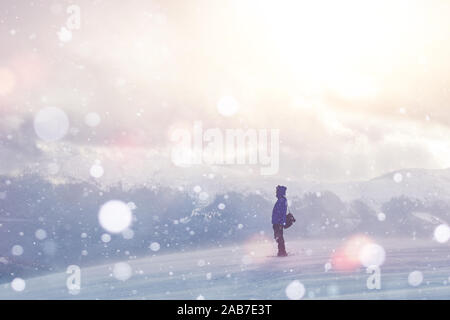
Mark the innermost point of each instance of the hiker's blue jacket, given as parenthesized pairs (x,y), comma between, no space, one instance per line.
(279,211)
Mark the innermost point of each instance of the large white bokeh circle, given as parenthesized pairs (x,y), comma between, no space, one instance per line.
(51,124)
(115,216)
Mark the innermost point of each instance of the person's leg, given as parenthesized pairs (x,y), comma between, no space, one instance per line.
(275,232)
(281,247)
(278,235)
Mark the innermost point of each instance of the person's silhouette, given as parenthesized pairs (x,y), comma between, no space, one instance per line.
(279,219)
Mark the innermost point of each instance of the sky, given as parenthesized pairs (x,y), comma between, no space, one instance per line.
(355,88)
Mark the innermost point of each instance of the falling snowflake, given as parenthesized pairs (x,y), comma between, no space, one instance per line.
(51,124)
(106,238)
(295,290)
(40,234)
(227,106)
(17,250)
(372,254)
(128,234)
(132,205)
(398,177)
(64,35)
(18,284)
(115,216)
(415,278)
(96,171)
(122,271)
(203,196)
(442,233)
(155,246)
(92,119)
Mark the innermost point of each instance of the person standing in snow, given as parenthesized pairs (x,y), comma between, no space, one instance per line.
(279,219)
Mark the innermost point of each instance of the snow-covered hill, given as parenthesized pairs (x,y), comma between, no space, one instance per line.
(411,270)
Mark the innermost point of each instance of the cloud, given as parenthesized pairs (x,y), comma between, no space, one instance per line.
(345,110)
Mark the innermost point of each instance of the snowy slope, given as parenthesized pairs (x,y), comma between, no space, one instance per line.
(245,272)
